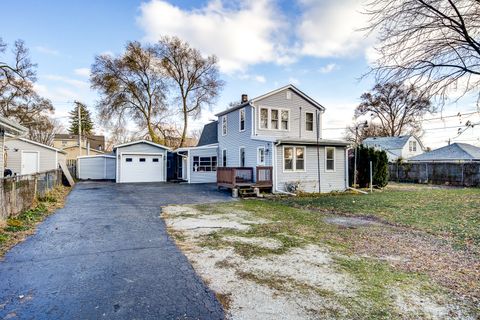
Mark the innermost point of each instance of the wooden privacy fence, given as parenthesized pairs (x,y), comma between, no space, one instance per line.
(449,173)
(18,193)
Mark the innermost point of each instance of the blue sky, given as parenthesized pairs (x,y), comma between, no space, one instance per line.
(261,45)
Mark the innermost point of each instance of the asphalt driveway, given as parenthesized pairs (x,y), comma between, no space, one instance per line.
(106,254)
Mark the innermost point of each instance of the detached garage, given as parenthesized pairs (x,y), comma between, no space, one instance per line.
(141,161)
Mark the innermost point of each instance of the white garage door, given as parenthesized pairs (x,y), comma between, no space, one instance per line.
(142,168)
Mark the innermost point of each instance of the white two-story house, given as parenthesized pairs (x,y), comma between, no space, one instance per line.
(281,129)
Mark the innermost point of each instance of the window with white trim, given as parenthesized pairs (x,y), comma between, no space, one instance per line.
(330,158)
(294,158)
(284,115)
(204,164)
(273,119)
(309,121)
(224,125)
(412,146)
(242,119)
(261,156)
(224,157)
(264,118)
(242,157)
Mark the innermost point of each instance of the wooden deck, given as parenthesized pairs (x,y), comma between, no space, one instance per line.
(242,177)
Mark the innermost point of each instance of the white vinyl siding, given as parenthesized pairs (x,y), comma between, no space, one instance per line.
(308,178)
(203,176)
(47,158)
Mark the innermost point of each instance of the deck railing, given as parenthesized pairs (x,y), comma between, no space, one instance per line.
(232,177)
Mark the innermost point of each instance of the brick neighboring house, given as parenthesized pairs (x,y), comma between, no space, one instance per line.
(69,144)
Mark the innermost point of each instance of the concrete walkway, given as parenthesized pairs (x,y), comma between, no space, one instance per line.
(107,255)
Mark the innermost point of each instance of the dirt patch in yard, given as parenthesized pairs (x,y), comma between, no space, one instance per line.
(284,276)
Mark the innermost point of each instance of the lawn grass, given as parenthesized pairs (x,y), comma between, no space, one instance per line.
(296,227)
(15,229)
(453,213)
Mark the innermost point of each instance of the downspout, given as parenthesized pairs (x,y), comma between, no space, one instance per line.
(300,125)
(274,165)
(346,169)
(317,116)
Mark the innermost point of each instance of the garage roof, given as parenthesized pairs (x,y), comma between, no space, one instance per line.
(141,141)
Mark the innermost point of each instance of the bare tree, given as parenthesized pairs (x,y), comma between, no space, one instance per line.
(44,129)
(21,72)
(196,78)
(433,43)
(132,86)
(395,108)
(357,132)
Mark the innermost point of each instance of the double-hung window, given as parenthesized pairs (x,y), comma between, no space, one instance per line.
(274,119)
(412,146)
(309,121)
(242,119)
(224,125)
(294,158)
(330,158)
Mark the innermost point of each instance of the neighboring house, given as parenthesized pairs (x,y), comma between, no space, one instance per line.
(12,128)
(72,152)
(27,157)
(455,152)
(141,161)
(281,129)
(64,140)
(402,147)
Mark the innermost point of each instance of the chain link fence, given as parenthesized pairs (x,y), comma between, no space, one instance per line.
(18,193)
(447,173)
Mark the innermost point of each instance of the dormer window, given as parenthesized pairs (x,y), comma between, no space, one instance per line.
(412,146)
(242,119)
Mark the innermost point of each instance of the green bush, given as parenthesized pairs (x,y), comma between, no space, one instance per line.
(380,167)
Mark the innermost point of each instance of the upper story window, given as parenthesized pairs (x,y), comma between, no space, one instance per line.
(329,158)
(412,146)
(274,119)
(294,158)
(309,121)
(242,119)
(224,125)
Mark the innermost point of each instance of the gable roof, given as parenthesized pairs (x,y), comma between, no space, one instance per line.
(389,143)
(34,143)
(141,141)
(268,94)
(453,152)
(209,134)
(12,126)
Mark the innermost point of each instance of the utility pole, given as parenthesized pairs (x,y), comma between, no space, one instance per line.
(79,129)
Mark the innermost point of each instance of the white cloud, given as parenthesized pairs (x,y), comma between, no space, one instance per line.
(330,28)
(294,81)
(241,35)
(83,72)
(73,82)
(328,68)
(46,50)
(255,77)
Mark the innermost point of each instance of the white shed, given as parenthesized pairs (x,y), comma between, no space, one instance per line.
(141,161)
(97,167)
(26,157)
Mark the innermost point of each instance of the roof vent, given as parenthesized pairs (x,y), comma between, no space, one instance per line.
(244,98)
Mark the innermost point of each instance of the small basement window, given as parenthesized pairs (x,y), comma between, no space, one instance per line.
(128,159)
(155,160)
(142,159)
